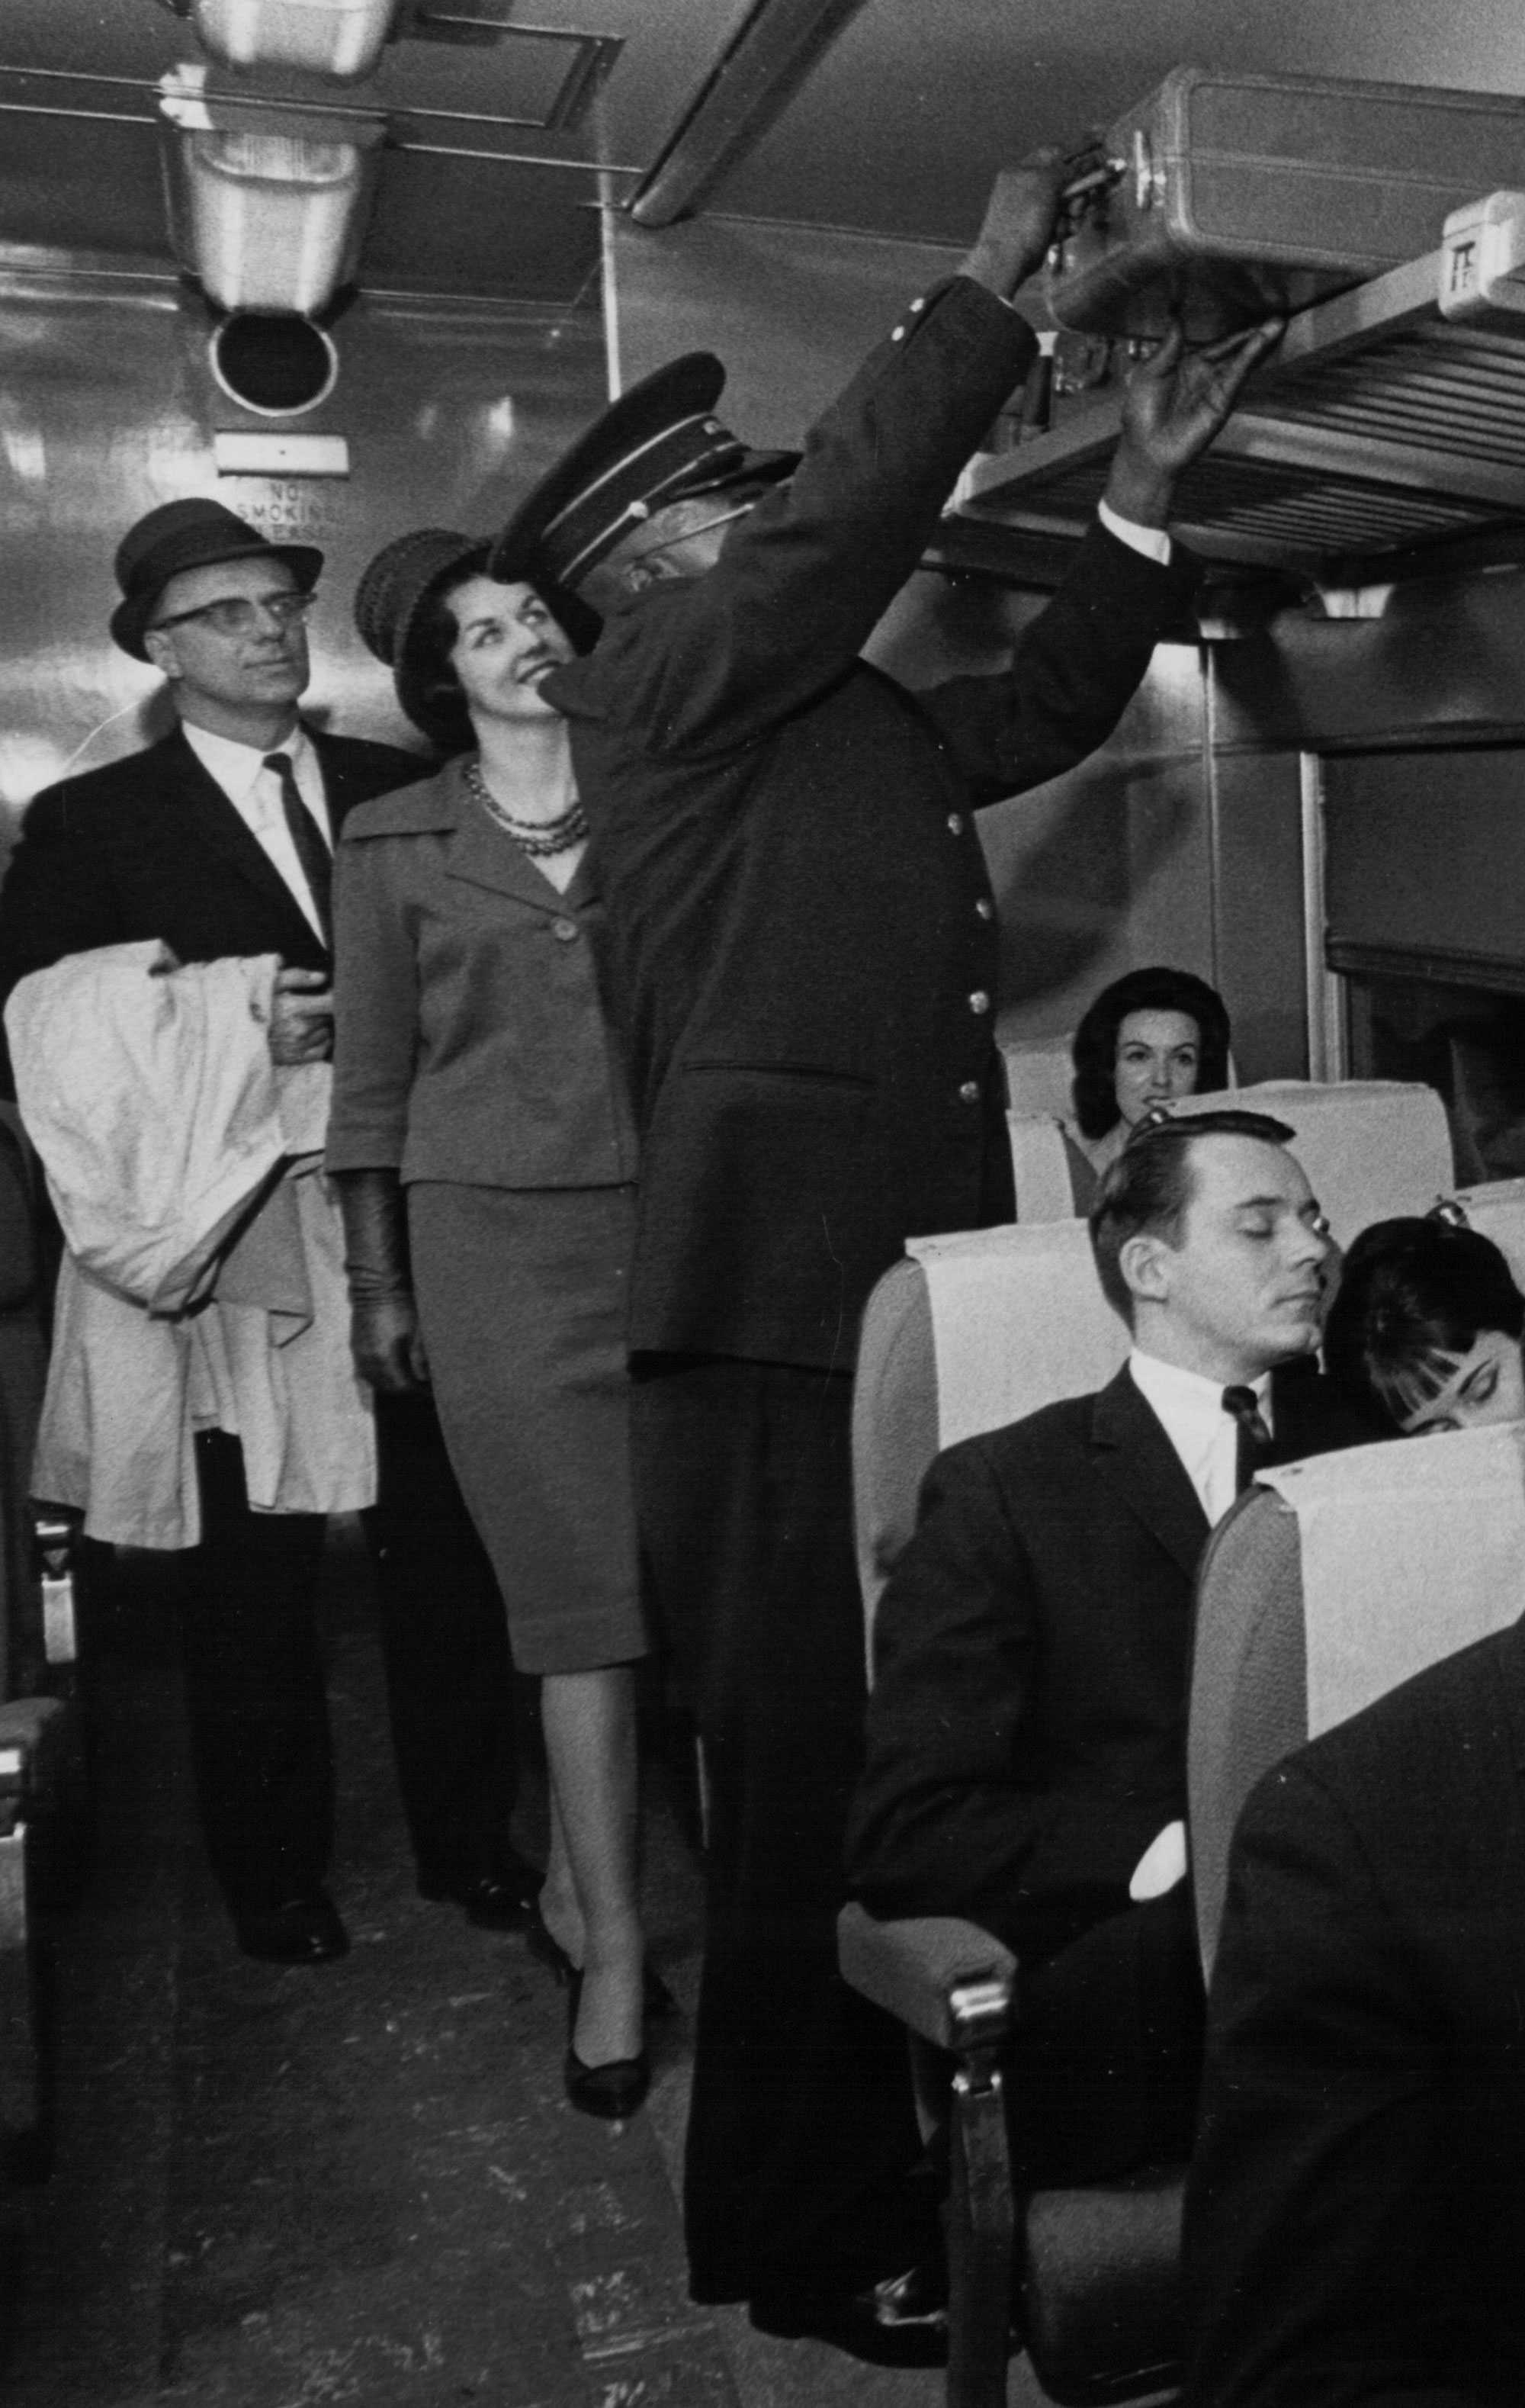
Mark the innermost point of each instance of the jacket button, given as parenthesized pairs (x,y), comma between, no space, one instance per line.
(566,931)
(898,335)
(969,1092)
(955,823)
(984,906)
(979,1001)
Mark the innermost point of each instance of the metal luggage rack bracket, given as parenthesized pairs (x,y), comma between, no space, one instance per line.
(1380,427)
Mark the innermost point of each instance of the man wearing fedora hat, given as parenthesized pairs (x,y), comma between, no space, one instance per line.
(217,842)
(801,962)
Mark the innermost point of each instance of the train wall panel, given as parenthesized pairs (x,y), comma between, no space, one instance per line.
(108,407)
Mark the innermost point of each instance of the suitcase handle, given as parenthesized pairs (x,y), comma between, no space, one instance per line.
(1086,194)
(1149,181)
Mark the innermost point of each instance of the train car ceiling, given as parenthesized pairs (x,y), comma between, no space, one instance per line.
(876,116)
(796,130)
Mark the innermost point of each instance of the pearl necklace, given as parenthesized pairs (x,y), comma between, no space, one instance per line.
(539,838)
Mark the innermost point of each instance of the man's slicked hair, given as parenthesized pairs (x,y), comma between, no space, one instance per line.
(1147,1191)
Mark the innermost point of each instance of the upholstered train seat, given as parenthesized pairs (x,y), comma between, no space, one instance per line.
(1371,1147)
(1317,1593)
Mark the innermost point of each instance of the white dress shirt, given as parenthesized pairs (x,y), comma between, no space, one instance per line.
(1153,542)
(1204,1436)
(254,793)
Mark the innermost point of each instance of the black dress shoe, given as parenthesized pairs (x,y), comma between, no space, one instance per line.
(657,1999)
(502,1899)
(298,1931)
(902,2321)
(542,1943)
(493,1901)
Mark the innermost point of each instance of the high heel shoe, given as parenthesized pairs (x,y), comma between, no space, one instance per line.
(657,2001)
(614,2090)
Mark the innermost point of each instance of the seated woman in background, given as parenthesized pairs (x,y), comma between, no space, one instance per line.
(1426,1325)
(484,1154)
(1148,1038)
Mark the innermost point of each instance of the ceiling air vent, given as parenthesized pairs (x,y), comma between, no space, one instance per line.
(544,76)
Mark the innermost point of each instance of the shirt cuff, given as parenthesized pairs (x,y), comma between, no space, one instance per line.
(1153,542)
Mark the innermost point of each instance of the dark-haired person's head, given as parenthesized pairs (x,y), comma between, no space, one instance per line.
(483,647)
(1427,1324)
(1209,1242)
(462,645)
(1149,1038)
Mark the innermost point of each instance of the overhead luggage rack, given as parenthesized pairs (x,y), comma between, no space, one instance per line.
(1379,427)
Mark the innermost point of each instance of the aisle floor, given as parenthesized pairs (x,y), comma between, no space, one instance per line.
(277,2189)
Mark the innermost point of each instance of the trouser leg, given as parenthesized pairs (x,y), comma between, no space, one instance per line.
(800,2136)
(1108,2052)
(445,1651)
(255,1690)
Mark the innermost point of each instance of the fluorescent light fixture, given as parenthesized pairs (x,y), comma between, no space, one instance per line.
(267,204)
(342,38)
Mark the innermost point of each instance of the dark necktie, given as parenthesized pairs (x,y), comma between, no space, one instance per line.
(311,846)
(1254,1441)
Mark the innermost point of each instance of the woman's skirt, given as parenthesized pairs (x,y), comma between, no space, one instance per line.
(523,1299)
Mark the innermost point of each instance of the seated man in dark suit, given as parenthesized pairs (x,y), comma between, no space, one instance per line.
(1355,2222)
(217,840)
(1027,1731)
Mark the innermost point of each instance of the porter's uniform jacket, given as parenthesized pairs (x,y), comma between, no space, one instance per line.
(802,945)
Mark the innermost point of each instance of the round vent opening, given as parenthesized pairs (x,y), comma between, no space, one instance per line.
(272,361)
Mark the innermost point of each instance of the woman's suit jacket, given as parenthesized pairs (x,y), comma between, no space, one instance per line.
(469,1041)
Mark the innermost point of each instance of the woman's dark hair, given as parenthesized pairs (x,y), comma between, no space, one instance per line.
(1094,1053)
(1413,1295)
(441,707)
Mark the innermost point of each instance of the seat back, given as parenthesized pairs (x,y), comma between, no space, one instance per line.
(1040,1168)
(1038,1077)
(1371,1147)
(1329,1583)
(1498,1211)
(968,1332)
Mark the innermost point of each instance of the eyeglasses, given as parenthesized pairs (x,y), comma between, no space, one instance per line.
(240,616)
(720,518)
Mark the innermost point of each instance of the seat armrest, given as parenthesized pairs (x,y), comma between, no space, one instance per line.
(948,1979)
(29,1731)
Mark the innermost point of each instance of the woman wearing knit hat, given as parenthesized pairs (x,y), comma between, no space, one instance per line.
(485,1157)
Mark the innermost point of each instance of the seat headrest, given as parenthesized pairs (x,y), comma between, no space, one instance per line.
(1371,1147)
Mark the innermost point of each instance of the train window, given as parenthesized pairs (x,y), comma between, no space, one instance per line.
(1468,1042)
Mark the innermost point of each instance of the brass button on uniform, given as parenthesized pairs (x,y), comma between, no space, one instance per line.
(566,931)
(955,823)
(979,1001)
(969,1092)
(985,906)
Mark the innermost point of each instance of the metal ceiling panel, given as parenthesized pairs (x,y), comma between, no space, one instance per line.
(904,123)
(502,147)
(897,131)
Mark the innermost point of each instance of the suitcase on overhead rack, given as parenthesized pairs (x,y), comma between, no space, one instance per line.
(1225,196)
